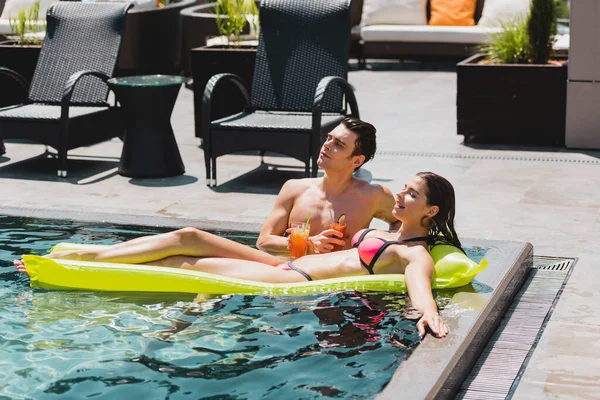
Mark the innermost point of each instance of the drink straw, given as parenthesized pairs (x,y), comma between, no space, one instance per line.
(306,224)
(332,220)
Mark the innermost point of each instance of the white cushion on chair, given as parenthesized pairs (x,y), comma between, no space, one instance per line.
(12,7)
(496,11)
(562,42)
(427,34)
(400,12)
(137,4)
(140,4)
(145,4)
(5,27)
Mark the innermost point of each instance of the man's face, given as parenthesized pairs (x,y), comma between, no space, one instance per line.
(336,152)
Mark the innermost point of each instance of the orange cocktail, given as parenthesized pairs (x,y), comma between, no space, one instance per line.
(339,226)
(298,239)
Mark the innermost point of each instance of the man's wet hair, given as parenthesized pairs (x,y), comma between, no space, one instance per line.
(365,143)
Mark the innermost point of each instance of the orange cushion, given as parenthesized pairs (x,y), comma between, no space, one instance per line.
(452,12)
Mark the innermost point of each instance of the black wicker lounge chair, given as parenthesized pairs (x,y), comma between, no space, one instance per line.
(67,102)
(299,90)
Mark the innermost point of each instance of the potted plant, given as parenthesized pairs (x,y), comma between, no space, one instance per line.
(514,92)
(226,53)
(20,52)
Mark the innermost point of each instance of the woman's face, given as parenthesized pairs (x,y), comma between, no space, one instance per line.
(411,202)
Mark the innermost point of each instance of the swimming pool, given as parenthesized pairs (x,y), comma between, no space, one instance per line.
(83,344)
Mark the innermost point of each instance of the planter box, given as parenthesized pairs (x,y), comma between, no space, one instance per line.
(152,40)
(21,59)
(209,61)
(511,103)
(198,24)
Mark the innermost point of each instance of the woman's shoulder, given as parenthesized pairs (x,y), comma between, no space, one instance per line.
(415,253)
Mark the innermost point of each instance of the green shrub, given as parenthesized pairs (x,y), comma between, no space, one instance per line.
(541,27)
(235,15)
(562,9)
(510,45)
(527,40)
(27,22)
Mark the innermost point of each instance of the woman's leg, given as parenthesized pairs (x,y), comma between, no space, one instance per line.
(183,242)
(233,268)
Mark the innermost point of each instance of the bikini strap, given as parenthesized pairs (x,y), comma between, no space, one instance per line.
(415,239)
(298,270)
(362,236)
(368,267)
(371,265)
(385,246)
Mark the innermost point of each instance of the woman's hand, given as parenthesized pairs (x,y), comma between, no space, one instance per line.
(432,320)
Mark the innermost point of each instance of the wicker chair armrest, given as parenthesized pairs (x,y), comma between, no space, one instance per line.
(70,87)
(211,86)
(17,77)
(322,87)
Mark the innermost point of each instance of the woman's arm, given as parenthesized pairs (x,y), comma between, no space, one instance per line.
(418,275)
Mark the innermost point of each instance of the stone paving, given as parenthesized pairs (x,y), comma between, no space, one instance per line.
(549,197)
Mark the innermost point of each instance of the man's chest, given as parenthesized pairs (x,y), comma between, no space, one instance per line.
(357,209)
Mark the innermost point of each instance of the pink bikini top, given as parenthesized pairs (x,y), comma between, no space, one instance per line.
(370,249)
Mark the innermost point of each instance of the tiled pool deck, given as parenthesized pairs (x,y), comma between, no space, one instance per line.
(548,198)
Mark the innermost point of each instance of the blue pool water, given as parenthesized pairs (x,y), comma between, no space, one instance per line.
(114,345)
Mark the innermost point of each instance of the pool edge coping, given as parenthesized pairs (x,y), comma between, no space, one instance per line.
(132,219)
(429,373)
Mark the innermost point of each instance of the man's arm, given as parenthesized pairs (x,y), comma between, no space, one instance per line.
(384,206)
(271,237)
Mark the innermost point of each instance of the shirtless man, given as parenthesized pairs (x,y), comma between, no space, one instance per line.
(346,149)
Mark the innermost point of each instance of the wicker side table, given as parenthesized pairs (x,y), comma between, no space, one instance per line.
(149,148)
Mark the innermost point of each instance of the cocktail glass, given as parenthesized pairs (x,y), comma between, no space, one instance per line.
(339,226)
(298,239)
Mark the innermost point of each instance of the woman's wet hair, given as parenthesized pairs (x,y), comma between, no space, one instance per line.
(365,143)
(441,193)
